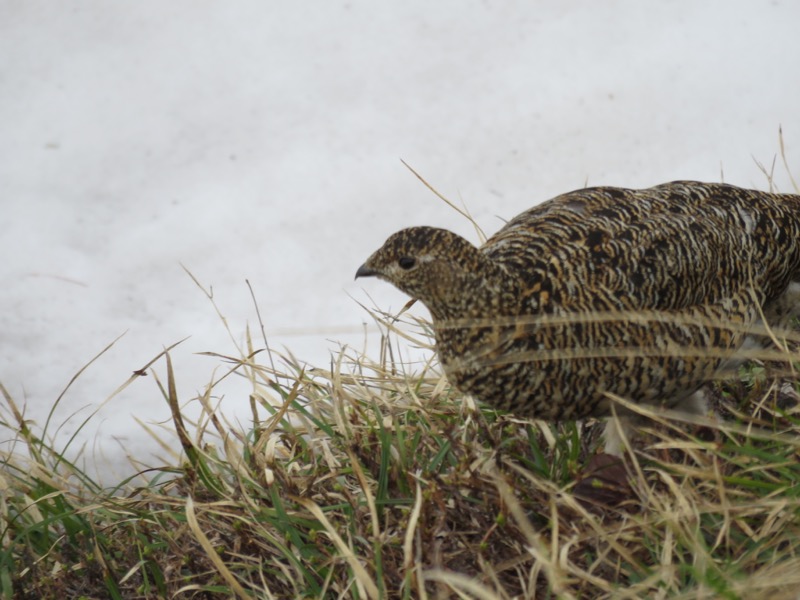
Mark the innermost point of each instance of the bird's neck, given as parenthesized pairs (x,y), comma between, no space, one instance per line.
(485,293)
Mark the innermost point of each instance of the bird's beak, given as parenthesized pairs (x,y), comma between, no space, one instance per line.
(365,271)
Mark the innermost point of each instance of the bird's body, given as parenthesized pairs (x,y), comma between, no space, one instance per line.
(642,294)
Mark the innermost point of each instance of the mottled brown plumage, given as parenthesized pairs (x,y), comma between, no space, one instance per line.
(639,293)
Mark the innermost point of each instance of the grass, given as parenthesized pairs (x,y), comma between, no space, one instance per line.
(376,479)
(368,480)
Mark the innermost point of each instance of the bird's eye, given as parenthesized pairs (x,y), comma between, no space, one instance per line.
(406,263)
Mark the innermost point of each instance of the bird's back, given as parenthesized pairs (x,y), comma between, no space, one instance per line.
(668,247)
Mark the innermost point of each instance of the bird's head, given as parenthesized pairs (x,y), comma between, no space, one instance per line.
(435,266)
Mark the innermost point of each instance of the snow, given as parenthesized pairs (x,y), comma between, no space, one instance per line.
(261,141)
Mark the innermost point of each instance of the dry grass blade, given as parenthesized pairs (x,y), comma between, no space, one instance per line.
(346,552)
(786,161)
(547,558)
(409,558)
(462,211)
(211,552)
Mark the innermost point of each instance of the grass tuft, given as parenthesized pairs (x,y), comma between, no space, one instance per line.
(377,480)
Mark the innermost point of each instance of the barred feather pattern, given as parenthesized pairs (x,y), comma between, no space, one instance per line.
(644,294)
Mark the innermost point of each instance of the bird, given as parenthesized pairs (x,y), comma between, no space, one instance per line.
(603,292)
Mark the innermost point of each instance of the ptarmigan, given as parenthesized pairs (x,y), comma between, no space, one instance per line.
(643,294)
